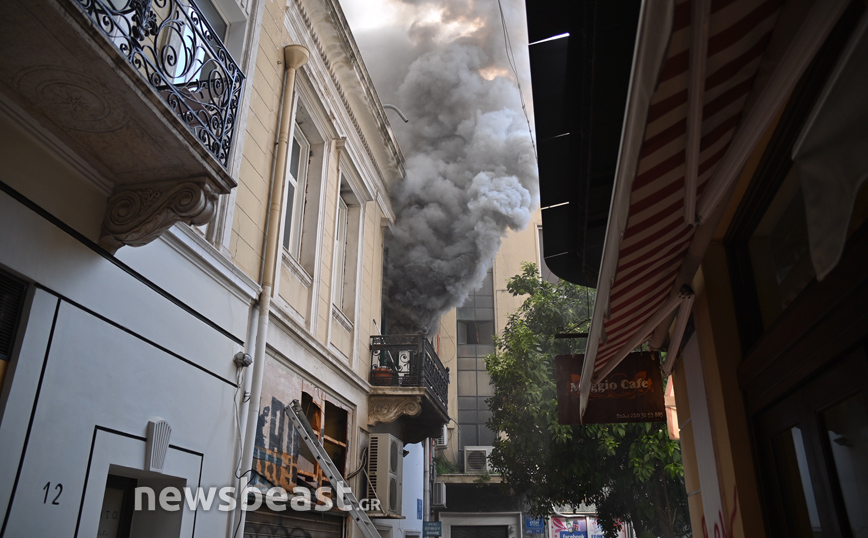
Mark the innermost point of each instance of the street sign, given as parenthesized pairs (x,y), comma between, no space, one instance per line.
(534,525)
(432,528)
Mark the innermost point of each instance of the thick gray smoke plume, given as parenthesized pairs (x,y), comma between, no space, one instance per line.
(471,171)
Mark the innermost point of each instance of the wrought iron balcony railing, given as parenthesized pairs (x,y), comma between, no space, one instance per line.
(409,361)
(171,44)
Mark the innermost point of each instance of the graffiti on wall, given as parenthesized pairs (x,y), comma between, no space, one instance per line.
(276,447)
(270,530)
(723,528)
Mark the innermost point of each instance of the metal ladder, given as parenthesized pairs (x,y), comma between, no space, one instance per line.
(299,420)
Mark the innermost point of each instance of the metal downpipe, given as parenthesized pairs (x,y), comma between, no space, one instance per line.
(295,56)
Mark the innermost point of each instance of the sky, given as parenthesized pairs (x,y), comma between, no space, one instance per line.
(470,162)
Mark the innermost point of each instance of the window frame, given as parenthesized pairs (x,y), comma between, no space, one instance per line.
(339,269)
(345,283)
(293,216)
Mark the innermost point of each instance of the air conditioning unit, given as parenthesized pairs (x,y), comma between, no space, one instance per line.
(476,459)
(442,441)
(385,471)
(439,494)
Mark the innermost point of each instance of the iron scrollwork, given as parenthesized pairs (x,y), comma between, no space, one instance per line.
(172,45)
(414,362)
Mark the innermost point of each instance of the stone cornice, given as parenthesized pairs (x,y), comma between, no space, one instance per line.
(359,74)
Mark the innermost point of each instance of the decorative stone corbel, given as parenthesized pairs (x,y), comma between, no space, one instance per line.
(157,445)
(387,409)
(136,215)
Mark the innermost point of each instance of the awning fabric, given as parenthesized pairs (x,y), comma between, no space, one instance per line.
(656,235)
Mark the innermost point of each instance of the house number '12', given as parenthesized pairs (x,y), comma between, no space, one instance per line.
(58,487)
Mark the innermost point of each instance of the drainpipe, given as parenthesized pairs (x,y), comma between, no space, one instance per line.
(294,57)
(426,479)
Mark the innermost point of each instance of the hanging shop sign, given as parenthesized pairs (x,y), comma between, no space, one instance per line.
(632,392)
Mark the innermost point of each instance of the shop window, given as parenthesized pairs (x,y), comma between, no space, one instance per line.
(767,241)
(779,252)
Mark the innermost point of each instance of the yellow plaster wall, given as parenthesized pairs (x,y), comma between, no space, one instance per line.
(370,284)
(341,338)
(326,261)
(445,344)
(294,290)
(688,449)
(248,222)
(517,248)
(720,353)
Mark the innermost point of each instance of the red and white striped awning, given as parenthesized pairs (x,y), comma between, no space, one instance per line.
(696,109)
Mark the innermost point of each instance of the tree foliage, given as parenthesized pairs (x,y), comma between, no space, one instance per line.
(630,472)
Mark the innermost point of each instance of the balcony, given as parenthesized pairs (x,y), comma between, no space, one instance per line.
(409,386)
(142,91)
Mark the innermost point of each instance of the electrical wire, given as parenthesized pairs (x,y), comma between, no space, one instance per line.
(510,57)
(363,465)
(239,382)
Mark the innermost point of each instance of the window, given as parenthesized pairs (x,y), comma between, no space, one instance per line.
(341,246)
(296,183)
(347,239)
(305,178)
(12,291)
(214,18)
(335,435)
(12,295)
(198,66)
(475,336)
(779,251)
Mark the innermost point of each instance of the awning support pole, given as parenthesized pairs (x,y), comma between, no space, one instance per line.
(678,334)
(700,14)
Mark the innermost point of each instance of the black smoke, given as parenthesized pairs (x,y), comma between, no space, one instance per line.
(471,170)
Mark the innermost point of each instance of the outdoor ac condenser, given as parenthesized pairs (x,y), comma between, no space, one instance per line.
(439,494)
(385,470)
(476,459)
(442,441)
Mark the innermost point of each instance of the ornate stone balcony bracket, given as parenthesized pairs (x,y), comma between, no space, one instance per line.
(135,215)
(388,408)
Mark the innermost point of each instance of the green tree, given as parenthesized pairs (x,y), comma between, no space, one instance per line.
(630,472)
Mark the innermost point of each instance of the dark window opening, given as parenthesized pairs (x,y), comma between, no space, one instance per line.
(12,294)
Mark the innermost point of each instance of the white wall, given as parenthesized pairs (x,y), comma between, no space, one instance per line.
(103,352)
